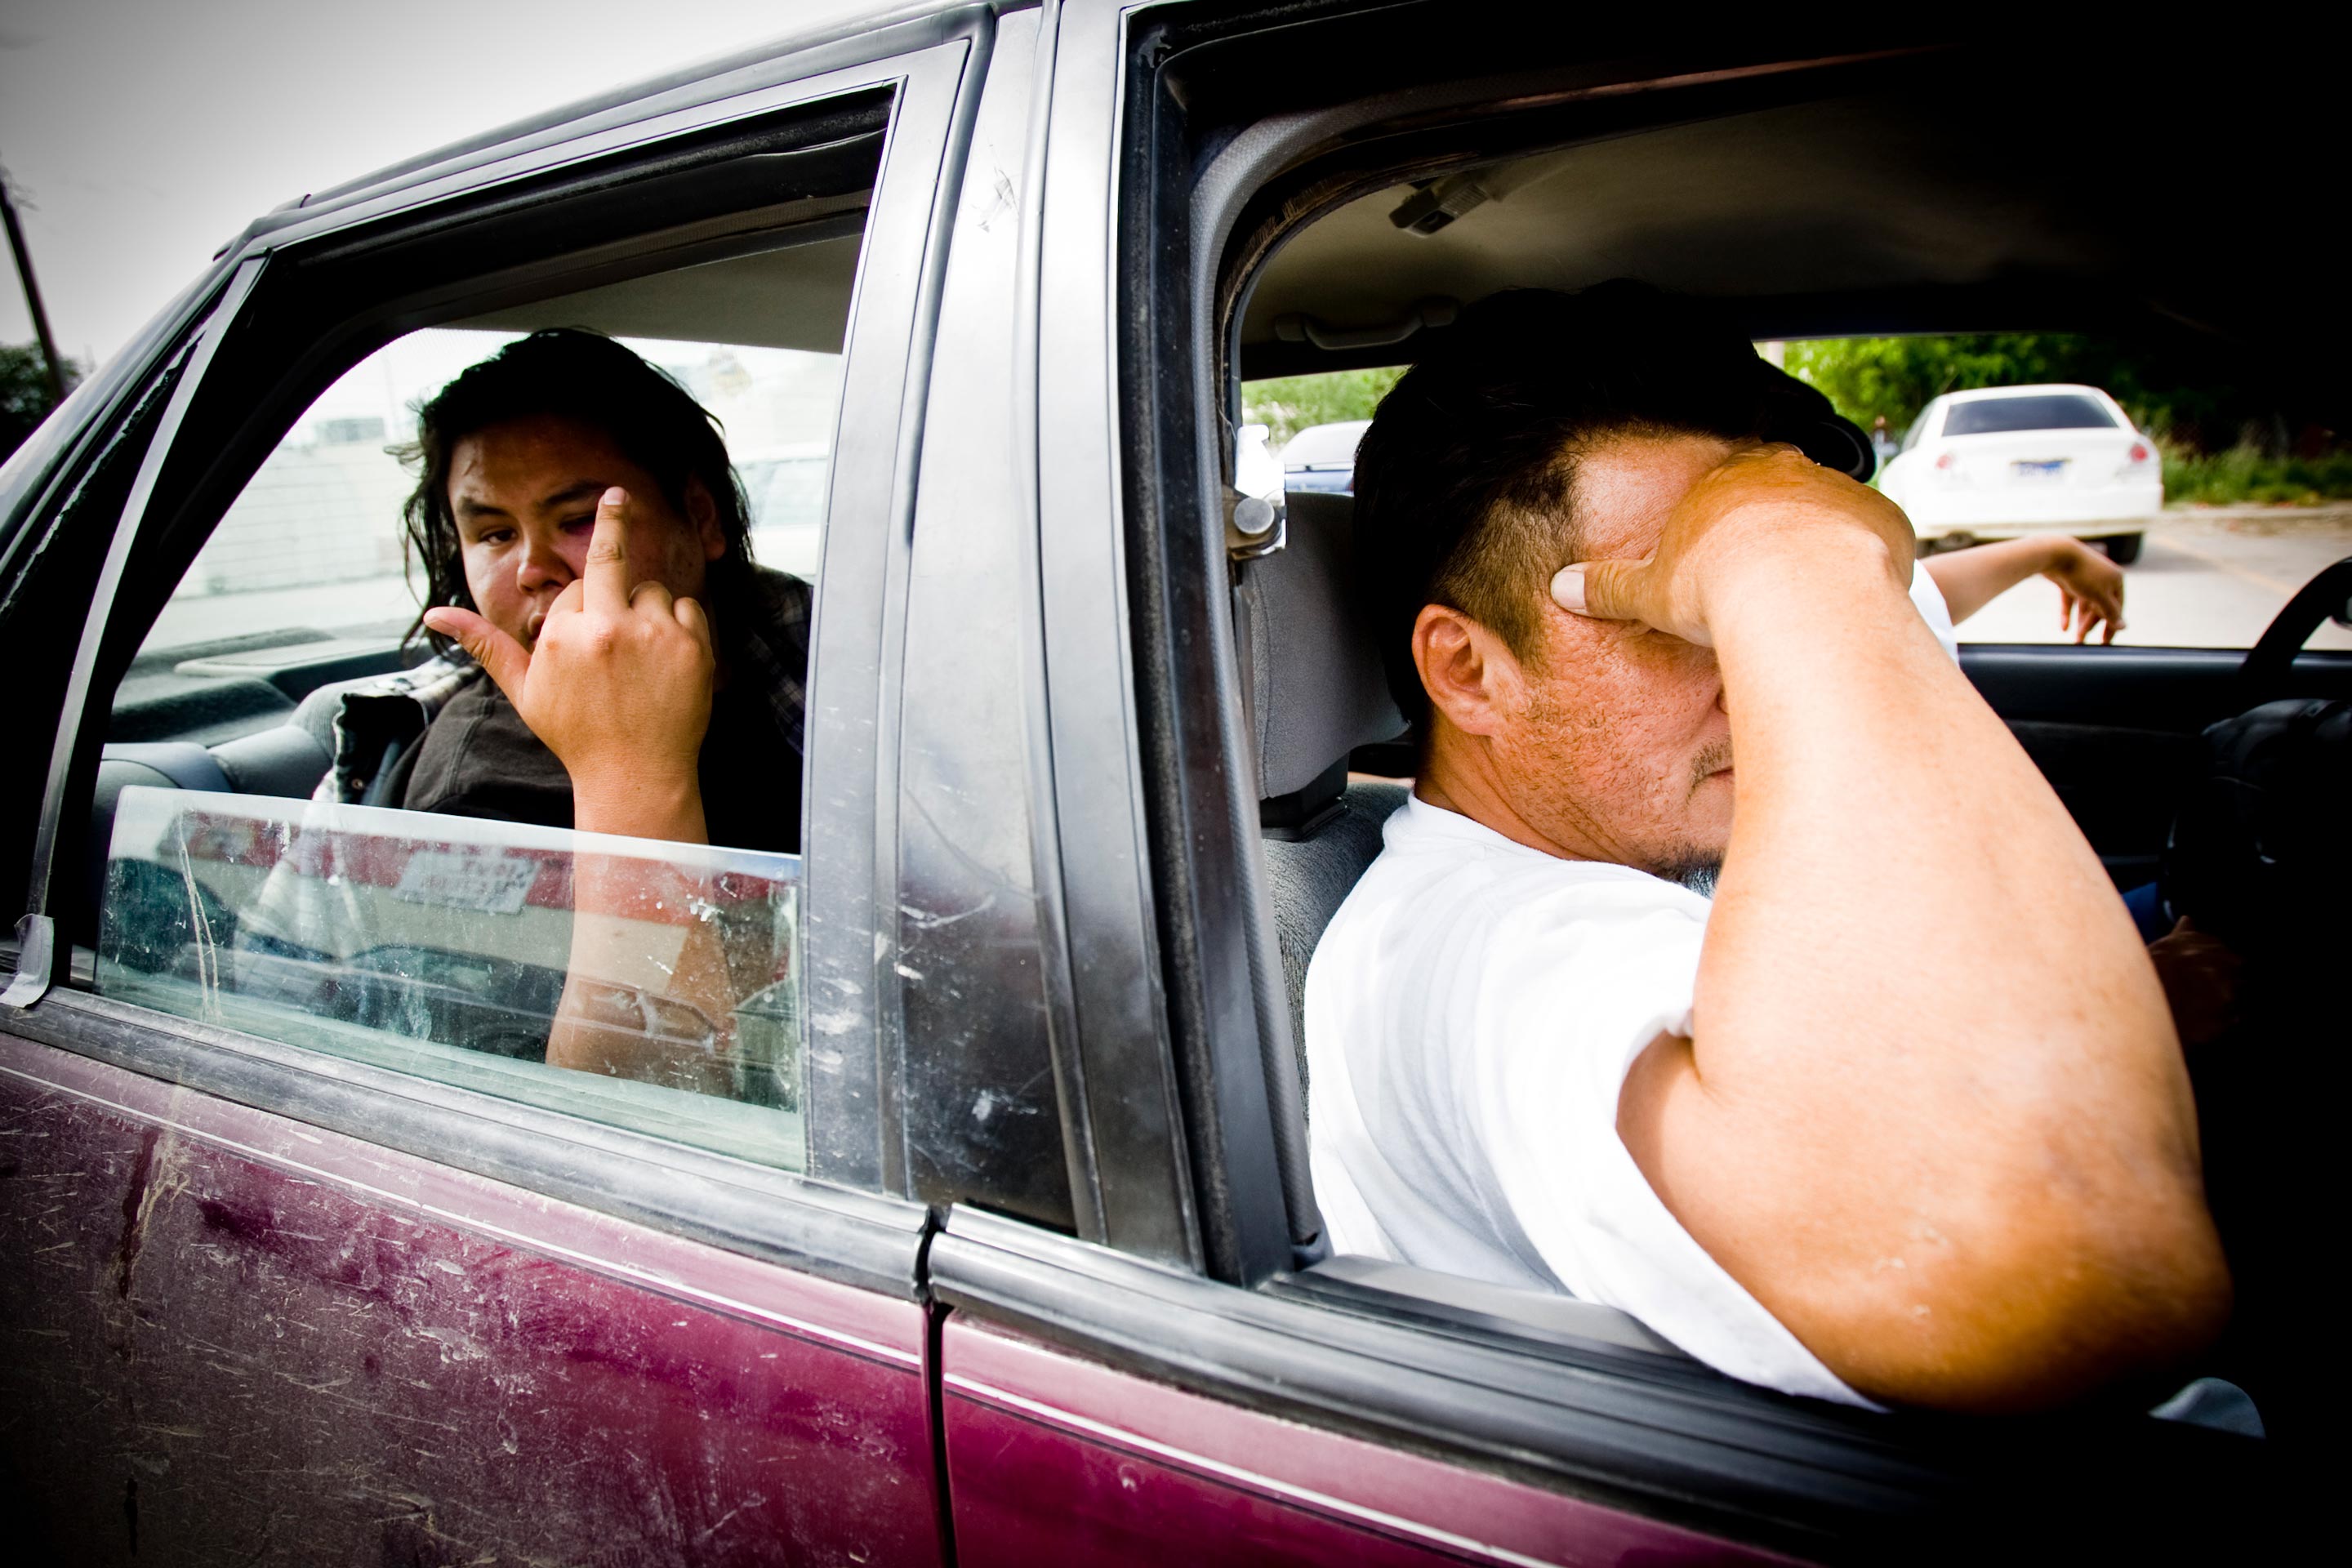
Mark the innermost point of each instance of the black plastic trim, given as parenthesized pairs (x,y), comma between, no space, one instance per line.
(2180,690)
(856,1238)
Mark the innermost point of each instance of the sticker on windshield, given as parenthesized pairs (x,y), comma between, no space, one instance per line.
(492,884)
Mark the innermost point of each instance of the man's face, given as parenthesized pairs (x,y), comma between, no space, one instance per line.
(524,496)
(1614,741)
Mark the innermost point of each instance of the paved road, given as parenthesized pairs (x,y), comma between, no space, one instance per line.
(2207,579)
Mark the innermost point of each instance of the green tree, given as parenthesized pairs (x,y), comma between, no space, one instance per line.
(2225,437)
(1290,404)
(25,392)
(2191,401)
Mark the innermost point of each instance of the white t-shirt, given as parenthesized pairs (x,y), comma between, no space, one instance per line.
(1934,610)
(1471,1012)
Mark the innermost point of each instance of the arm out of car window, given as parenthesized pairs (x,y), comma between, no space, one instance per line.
(1933,1114)
(2090,587)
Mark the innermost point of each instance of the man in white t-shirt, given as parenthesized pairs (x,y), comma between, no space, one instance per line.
(1898,1116)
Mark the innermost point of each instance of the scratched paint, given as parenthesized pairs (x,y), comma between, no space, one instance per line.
(214,1358)
(1054,1459)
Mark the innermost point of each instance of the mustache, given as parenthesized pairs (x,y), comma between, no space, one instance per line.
(1712,759)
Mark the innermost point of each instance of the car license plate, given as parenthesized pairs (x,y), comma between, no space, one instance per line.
(2054,468)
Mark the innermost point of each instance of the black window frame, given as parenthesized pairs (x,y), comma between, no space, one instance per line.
(908,90)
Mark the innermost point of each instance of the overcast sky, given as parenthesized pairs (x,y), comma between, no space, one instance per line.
(141,134)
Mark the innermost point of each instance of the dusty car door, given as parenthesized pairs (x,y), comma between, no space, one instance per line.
(283,1288)
(1171,1369)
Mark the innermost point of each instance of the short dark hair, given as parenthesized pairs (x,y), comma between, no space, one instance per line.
(1463,481)
(580,375)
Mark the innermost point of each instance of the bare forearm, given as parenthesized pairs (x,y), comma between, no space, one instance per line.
(1971,579)
(624,907)
(1923,1014)
(638,806)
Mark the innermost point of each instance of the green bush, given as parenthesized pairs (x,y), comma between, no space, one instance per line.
(1290,404)
(2247,474)
(25,392)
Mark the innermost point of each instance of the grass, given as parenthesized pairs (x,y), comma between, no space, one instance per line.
(2245,474)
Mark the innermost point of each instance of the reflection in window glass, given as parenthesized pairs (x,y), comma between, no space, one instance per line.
(486,954)
(314,541)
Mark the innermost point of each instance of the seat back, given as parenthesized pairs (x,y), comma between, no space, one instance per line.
(1316,691)
(1310,877)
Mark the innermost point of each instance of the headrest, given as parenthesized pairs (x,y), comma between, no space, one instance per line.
(1316,684)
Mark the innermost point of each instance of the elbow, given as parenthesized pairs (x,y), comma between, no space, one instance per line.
(2045,1323)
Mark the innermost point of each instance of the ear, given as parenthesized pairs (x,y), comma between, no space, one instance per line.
(1465,668)
(702,514)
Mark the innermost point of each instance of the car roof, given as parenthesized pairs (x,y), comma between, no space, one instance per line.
(1334,443)
(1988,393)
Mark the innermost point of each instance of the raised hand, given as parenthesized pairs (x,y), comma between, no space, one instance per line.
(618,685)
(1765,520)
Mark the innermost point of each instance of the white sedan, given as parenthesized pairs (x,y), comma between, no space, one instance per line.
(2011,460)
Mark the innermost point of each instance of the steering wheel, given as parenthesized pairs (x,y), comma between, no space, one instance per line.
(2326,597)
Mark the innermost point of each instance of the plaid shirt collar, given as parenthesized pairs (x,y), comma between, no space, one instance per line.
(770,645)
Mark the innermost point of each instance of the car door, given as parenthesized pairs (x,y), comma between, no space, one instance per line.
(284,1287)
(1174,1369)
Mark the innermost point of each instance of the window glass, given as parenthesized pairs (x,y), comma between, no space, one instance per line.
(1994,415)
(1325,445)
(475,953)
(315,824)
(313,543)
(2221,499)
(1314,422)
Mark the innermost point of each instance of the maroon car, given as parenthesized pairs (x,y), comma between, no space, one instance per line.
(986,1236)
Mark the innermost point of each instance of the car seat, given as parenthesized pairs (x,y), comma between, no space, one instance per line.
(1315,692)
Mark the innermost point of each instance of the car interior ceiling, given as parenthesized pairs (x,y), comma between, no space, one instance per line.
(1906,210)
(1907,205)
(253,714)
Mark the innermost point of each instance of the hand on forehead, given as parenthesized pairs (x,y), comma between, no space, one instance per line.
(1627,486)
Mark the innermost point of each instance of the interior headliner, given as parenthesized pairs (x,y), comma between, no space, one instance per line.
(794,298)
(1960,194)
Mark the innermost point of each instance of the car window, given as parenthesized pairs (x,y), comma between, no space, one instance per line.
(315,825)
(2219,500)
(451,948)
(1325,445)
(1994,415)
(313,541)
(1317,418)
